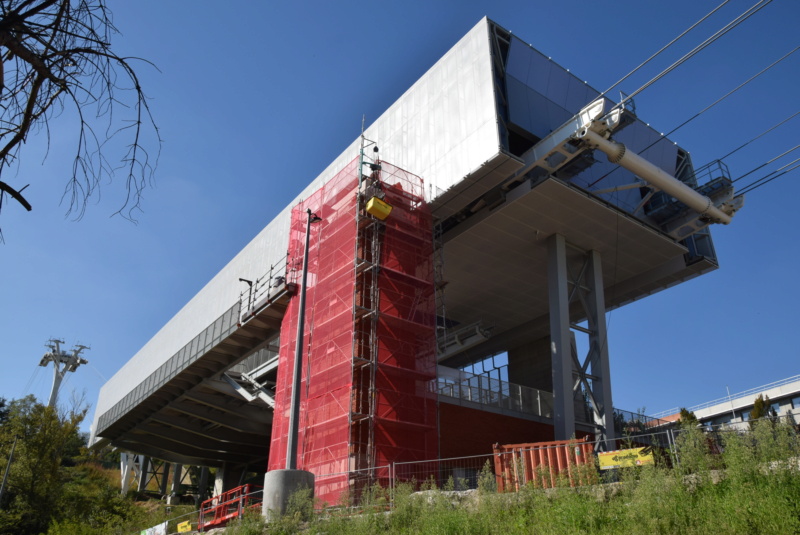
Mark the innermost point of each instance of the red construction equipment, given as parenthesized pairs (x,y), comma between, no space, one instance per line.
(216,512)
(544,464)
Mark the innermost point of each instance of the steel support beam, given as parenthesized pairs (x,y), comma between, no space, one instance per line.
(177,477)
(575,281)
(598,352)
(164,479)
(144,467)
(560,347)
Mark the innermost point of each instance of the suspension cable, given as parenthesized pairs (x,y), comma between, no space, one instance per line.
(663,48)
(740,147)
(766,179)
(752,10)
(750,172)
(729,93)
(699,113)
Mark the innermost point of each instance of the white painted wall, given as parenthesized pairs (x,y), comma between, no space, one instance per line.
(442,128)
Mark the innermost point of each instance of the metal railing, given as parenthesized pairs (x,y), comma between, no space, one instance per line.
(628,423)
(219,510)
(490,392)
(261,291)
(260,294)
(733,397)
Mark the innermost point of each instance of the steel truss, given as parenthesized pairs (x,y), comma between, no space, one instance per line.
(575,281)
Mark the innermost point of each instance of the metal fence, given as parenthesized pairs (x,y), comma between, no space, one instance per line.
(481,471)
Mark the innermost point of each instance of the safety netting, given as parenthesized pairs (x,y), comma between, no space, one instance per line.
(369,350)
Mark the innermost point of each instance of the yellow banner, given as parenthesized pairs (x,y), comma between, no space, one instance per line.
(624,458)
(185,527)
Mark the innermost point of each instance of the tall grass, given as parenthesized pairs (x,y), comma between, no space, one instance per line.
(750,483)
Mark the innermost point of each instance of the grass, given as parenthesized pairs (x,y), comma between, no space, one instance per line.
(752,486)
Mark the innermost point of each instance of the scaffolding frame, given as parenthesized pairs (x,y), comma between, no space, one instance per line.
(370,335)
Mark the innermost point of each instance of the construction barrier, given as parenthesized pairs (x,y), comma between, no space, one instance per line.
(544,464)
(216,512)
(610,460)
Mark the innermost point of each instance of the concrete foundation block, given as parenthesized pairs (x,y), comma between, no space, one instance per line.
(279,485)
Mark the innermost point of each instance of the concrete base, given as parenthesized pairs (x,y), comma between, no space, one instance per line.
(279,485)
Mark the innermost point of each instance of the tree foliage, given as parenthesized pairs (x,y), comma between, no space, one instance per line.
(56,60)
(46,441)
(760,408)
(56,485)
(687,418)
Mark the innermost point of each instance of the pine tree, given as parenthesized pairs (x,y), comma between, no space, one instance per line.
(760,408)
(688,418)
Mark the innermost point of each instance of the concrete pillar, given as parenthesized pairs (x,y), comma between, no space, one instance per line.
(175,487)
(279,485)
(226,478)
(219,481)
(598,352)
(164,479)
(144,468)
(177,476)
(201,485)
(125,464)
(560,334)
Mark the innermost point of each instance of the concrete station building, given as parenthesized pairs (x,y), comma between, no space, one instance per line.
(510,234)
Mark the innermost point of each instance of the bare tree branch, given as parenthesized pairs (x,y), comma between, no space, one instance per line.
(16,195)
(55,56)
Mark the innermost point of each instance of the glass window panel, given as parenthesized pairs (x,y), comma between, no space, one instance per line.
(518,63)
(539,72)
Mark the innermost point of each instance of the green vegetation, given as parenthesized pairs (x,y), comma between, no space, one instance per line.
(722,483)
(688,418)
(743,483)
(55,486)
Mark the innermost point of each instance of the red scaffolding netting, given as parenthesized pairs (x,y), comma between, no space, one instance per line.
(369,345)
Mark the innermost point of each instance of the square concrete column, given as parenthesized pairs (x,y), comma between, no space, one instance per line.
(598,353)
(144,468)
(164,479)
(560,337)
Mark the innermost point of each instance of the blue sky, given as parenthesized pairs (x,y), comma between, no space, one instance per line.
(254,99)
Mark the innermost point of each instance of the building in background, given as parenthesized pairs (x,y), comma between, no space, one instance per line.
(511,234)
(784,398)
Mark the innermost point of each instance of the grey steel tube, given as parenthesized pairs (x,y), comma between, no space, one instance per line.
(657,177)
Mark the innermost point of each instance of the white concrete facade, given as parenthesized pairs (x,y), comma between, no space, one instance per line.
(784,397)
(442,128)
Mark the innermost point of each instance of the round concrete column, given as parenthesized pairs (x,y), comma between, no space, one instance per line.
(279,485)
